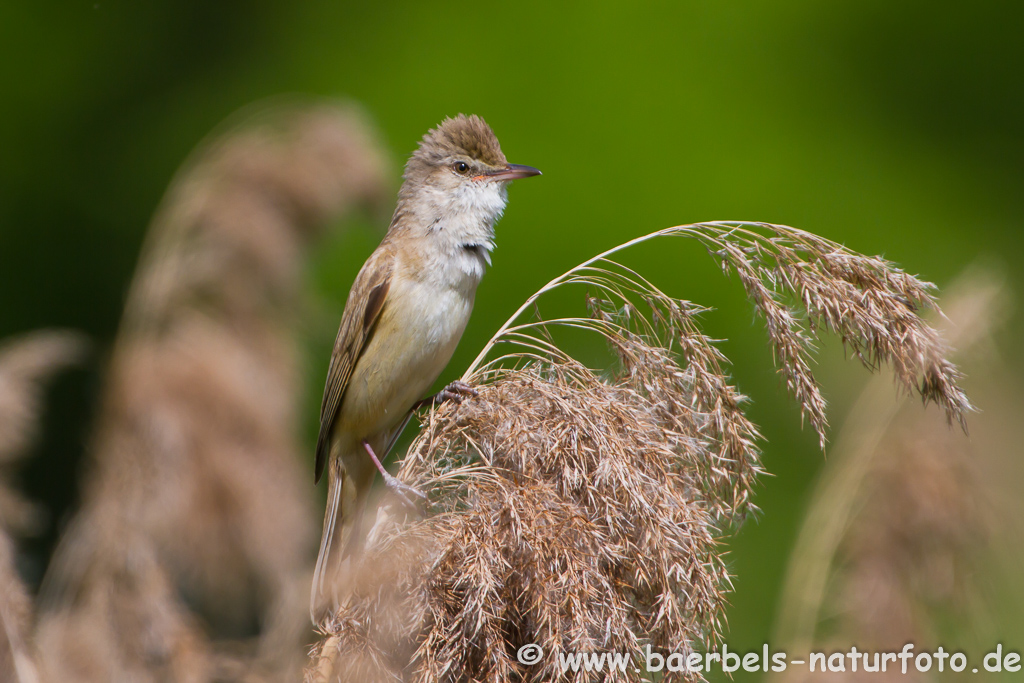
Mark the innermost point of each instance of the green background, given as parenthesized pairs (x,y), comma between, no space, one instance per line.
(896,128)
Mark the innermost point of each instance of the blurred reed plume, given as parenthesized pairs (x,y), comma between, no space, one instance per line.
(907,516)
(189,558)
(24,364)
(580,510)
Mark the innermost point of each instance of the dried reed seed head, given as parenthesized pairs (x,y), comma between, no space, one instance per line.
(130,625)
(921,527)
(17,657)
(874,307)
(568,512)
(912,521)
(196,450)
(25,363)
(580,513)
(914,554)
(230,234)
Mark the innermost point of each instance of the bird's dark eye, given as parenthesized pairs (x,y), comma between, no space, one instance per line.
(461,167)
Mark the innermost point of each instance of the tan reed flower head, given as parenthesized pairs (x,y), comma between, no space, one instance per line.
(581,510)
(25,363)
(193,544)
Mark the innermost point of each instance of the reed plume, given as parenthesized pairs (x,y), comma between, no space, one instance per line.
(25,363)
(905,518)
(189,558)
(582,510)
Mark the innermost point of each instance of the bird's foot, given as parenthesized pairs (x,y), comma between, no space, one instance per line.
(457,391)
(400,489)
(405,493)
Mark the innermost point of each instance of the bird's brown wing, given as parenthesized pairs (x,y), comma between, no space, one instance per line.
(365,302)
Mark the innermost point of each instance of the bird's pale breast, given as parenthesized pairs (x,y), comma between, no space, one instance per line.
(414,339)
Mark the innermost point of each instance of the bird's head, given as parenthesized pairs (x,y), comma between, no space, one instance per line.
(459,173)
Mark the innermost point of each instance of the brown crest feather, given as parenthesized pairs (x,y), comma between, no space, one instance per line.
(466,135)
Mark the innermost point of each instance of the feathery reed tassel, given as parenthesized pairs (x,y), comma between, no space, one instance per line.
(580,511)
(197,518)
(25,363)
(904,522)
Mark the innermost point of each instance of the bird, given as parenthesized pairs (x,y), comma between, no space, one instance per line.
(405,314)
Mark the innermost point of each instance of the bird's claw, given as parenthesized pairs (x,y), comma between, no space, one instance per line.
(403,492)
(457,391)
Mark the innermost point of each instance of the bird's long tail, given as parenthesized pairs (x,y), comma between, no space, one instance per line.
(343,515)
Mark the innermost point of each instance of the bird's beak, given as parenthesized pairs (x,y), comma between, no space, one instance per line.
(511,172)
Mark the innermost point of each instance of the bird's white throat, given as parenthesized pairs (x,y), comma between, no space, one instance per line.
(463,224)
